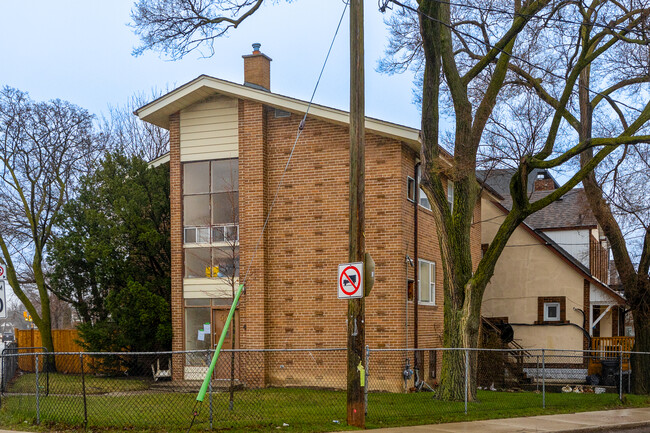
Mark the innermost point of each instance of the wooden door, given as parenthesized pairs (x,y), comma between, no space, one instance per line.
(223,368)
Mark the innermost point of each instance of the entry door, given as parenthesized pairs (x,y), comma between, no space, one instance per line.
(223,367)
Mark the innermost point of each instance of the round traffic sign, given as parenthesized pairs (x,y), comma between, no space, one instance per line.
(352,276)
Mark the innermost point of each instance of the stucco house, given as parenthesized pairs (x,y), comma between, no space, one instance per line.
(550,283)
(229,145)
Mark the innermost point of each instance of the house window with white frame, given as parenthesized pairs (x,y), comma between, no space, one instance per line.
(551,311)
(450,194)
(427,282)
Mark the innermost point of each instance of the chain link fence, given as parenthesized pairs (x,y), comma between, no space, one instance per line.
(260,389)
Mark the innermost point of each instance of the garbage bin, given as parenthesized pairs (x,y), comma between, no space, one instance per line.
(610,371)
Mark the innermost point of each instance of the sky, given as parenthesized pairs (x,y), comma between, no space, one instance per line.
(81,51)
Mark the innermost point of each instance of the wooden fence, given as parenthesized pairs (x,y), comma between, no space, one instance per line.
(65,340)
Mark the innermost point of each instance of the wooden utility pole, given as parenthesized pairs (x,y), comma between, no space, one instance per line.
(356,307)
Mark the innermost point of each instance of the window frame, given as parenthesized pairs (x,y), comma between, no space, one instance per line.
(432,282)
(450,194)
(558,316)
(410,189)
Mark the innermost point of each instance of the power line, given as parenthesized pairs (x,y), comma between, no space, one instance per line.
(301,126)
(487,44)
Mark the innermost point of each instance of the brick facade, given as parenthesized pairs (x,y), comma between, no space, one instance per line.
(290,272)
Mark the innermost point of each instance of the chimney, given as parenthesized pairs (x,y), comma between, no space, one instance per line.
(544,185)
(257,69)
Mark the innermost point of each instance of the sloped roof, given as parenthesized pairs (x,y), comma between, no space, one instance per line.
(571,211)
(158,111)
(499,179)
(568,258)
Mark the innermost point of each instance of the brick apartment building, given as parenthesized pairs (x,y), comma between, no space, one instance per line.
(229,144)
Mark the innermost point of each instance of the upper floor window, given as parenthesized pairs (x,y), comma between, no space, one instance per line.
(211,218)
(423,200)
(427,282)
(450,194)
(211,201)
(410,188)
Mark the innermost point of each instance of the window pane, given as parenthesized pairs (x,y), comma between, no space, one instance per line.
(203,235)
(424,201)
(197,302)
(410,188)
(196,177)
(232,233)
(197,262)
(425,282)
(218,234)
(450,194)
(432,295)
(190,235)
(225,208)
(225,175)
(195,319)
(226,261)
(196,210)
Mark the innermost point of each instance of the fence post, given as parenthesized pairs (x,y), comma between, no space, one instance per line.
(543,379)
(207,354)
(620,376)
(83,388)
(365,390)
(466,377)
(537,375)
(38,408)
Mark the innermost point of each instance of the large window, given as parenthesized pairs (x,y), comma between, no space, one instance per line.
(427,282)
(211,218)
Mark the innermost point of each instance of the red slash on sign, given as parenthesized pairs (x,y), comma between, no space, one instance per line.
(350,275)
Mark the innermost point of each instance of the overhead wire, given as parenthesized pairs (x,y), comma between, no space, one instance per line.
(301,127)
(487,44)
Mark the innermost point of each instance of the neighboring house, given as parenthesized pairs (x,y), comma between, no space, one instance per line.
(229,148)
(550,283)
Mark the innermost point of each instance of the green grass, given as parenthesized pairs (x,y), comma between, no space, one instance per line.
(71,384)
(266,409)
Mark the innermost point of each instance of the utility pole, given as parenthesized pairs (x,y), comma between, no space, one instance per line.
(356,307)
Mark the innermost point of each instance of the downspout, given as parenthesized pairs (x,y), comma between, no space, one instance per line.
(584,326)
(416,265)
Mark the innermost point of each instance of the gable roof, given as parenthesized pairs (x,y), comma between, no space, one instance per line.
(565,256)
(157,112)
(499,178)
(570,211)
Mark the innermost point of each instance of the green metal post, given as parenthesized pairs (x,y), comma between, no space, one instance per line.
(206,381)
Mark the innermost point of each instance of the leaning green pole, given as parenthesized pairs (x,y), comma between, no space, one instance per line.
(206,381)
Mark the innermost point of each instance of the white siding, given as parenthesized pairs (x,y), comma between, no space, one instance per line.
(209,130)
(205,288)
(575,242)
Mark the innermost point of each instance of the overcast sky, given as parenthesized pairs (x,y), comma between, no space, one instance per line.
(81,51)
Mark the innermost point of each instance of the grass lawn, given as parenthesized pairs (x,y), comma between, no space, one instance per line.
(60,383)
(266,409)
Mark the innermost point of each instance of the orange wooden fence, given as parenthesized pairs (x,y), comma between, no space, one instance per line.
(65,340)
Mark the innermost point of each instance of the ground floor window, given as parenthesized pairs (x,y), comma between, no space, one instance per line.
(198,327)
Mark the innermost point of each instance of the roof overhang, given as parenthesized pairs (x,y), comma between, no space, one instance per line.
(158,111)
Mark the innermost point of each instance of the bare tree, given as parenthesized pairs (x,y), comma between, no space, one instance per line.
(177,27)
(125,133)
(487,65)
(44,147)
